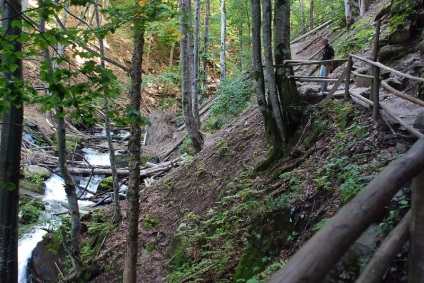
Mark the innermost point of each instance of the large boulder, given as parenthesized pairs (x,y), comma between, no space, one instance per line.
(419,121)
(47,259)
(30,171)
(392,52)
(34,177)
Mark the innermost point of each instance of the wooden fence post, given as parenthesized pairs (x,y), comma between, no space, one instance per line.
(376,73)
(416,231)
(347,82)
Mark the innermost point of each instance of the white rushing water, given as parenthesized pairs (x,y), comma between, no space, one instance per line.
(55,201)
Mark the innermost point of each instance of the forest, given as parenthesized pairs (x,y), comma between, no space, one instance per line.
(191,141)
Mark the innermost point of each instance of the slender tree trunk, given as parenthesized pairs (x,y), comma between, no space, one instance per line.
(112,159)
(70,190)
(205,45)
(70,187)
(171,55)
(10,147)
(287,89)
(223,41)
(186,45)
(269,122)
(149,48)
(348,13)
(240,33)
(302,10)
(311,15)
(362,7)
(269,62)
(134,148)
(195,73)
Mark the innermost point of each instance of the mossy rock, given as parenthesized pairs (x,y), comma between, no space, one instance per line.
(30,211)
(30,185)
(105,185)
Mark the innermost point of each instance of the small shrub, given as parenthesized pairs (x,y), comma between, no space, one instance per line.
(186,147)
(223,148)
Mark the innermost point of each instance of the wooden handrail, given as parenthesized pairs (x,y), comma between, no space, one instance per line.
(311,31)
(384,67)
(402,95)
(362,75)
(315,259)
(309,62)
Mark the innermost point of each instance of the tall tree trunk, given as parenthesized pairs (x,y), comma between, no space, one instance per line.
(271,128)
(311,15)
(362,7)
(223,41)
(269,62)
(10,147)
(287,90)
(171,55)
(149,48)
(186,46)
(112,159)
(70,190)
(348,13)
(205,45)
(134,148)
(195,73)
(240,33)
(302,10)
(70,187)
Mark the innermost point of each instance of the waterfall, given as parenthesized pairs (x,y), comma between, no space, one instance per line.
(55,201)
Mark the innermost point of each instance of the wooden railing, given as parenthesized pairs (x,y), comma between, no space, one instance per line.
(316,258)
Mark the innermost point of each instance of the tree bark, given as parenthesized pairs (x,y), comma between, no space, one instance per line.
(195,73)
(311,15)
(287,90)
(272,86)
(134,148)
(70,187)
(348,13)
(269,122)
(10,147)
(205,46)
(186,46)
(362,7)
(112,159)
(223,41)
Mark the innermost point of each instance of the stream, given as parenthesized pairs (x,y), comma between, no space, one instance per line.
(55,201)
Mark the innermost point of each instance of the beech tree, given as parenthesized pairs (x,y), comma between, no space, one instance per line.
(191,112)
(223,41)
(11,86)
(279,106)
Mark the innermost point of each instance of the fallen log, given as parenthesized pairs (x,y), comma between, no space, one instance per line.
(145,172)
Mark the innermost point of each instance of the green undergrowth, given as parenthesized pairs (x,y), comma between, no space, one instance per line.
(234,97)
(241,236)
(356,39)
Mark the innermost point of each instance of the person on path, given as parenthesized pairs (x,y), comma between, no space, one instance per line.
(328,54)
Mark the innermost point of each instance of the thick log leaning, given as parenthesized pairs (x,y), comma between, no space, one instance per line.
(402,95)
(391,114)
(315,259)
(383,257)
(311,31)
(384,67)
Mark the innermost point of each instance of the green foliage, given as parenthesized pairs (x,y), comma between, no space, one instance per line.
(234,96)
(186,147)
(222,147)
(356,39)
(30,211)
(99,229)
(149,222)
